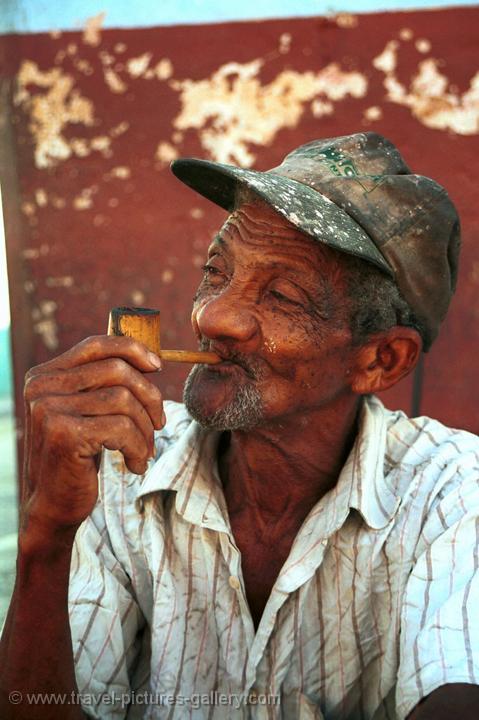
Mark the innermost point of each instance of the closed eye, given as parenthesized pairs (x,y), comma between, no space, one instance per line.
(287,292)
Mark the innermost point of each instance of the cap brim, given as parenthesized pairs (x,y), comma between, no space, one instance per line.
(305,208)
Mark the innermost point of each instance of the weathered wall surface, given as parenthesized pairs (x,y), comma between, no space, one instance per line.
(90,120)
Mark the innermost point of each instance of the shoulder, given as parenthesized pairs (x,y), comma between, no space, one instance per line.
(434,469)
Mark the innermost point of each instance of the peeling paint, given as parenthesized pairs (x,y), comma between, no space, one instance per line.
(422,45)
(51,111)
(138,297)
(121,172)
(84,66)
(84,201)
(196,213)
(387,60)
(321,107)
(136,67)
(44,323)
(114,81)
(232,109)
(63,281)
(165,153)
(430,97)
(119,129)
(373,113)
(92,31)
(58,202)
(28,209)
(406,34)
(164,69)
(167,276)
(346,20)
(285,43)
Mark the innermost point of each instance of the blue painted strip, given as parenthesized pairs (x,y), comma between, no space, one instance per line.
(27,16)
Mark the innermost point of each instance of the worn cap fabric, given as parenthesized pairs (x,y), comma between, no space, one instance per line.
(356,194)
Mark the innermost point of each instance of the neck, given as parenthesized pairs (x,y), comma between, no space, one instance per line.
(281,470)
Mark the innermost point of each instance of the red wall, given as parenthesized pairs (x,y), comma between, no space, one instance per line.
(95,219)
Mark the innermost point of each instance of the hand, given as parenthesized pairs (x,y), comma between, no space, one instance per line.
(92,396)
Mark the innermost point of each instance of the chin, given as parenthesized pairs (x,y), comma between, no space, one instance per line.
(221,404)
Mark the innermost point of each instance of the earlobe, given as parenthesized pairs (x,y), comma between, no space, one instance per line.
(385,359)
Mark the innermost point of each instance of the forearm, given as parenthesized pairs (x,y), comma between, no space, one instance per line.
(35,650)
(459,700)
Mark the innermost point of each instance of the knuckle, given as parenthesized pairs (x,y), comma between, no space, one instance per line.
(31,387)
(118,367)
(123,396)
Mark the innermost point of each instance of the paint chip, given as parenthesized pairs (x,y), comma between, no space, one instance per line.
(406,34)
(119,129)
(319,108)
(423,45)
(44,323)
(373,113)
(285,43)
(114,81)
(92,30)
(138,297)
(346,21)
(167,276)
(63,281)
(165,152)
(164,69)
(136,67)
(387,60)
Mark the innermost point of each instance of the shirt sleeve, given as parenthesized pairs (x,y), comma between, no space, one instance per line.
(439,641)
(105,620)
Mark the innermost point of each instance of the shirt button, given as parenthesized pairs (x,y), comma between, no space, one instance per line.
(234,582)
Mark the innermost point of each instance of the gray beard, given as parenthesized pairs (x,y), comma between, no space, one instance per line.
(243,412)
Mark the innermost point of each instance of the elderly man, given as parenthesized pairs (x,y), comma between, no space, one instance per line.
(293,549)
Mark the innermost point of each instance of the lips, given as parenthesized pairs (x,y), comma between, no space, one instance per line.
(230,360)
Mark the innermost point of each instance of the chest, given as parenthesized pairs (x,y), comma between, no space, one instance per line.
(262,557)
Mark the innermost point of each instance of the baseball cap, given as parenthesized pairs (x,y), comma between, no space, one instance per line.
(356,194)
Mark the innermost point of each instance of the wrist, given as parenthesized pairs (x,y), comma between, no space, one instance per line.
(38,536)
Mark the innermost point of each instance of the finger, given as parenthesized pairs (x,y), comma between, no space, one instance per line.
(99,347)
(106,401)
(96,375)
(83,438)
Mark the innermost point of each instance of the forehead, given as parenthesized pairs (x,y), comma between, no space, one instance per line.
(255,227)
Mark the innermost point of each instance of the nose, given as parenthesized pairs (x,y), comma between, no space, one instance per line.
(226,317)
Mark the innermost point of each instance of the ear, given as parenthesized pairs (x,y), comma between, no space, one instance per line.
(385,359)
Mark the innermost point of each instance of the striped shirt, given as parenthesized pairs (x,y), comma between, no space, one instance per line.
(375,607)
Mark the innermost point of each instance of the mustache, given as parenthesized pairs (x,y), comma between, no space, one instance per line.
(251,365)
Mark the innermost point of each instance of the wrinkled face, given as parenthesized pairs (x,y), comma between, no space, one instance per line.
(272,305)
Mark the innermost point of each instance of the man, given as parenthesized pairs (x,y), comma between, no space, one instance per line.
(295,550)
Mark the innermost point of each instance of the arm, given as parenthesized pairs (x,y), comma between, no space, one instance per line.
(449,701)
(92,396)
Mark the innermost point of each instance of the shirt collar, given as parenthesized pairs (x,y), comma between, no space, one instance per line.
(371,493)
(189,467)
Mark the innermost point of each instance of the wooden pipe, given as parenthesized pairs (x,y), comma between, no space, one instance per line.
(143,325)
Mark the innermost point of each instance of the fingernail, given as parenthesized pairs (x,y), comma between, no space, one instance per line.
(154,360)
